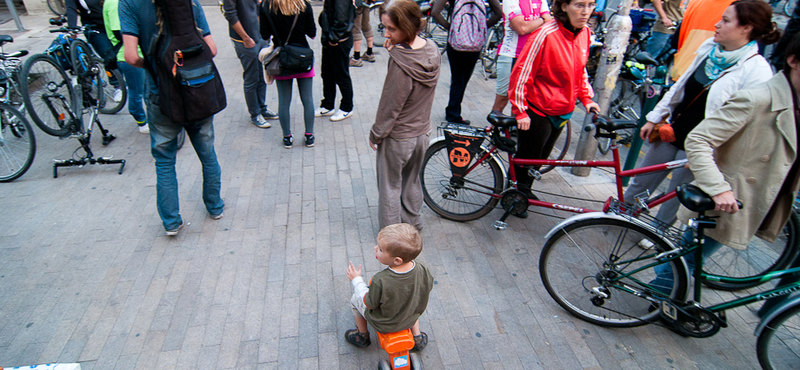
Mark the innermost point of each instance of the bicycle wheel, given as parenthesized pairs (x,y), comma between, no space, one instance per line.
(87,68)
(57,7)
(464,199)
(788,7)
(436,33)
(760,257)
(17,143)
(47,93)
(114,97)
(778,345)
(561,147)
(600,256)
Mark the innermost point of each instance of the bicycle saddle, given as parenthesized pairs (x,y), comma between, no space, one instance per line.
(612,125)
(501,121)
(697,200)
(646,59)
(5,39)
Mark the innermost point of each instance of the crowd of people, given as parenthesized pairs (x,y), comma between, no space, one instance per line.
(727,110)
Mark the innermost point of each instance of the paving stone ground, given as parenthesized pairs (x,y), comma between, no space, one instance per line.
(87,275)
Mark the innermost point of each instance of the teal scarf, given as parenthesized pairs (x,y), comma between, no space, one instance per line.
(719,60)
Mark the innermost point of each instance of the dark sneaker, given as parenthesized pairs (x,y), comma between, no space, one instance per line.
(268,114)
(523,214)
(357,339)
(309,140)
(287,142)
(420,341)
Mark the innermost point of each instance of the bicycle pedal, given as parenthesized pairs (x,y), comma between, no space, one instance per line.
(500,225)
(669,311)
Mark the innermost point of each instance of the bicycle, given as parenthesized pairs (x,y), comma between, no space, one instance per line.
(55,107)
(17,142)
(489,52)
(57,7)
(467,181)
(591,266)
(787,8)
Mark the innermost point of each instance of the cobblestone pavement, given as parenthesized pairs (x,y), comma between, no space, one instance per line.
(87,275)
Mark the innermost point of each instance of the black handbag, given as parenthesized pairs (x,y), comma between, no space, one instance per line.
(292,59)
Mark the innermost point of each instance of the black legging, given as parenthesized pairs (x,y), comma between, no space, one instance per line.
(534,143)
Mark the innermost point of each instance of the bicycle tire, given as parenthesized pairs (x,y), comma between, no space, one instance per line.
(57,7)
(773,345)
(17,143)
(42,79)
(455,201)
(87,68)
(561,147)
(758,259)
(109,105)
(566,265)
(788,7)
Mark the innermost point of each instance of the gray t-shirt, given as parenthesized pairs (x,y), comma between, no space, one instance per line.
(138,18)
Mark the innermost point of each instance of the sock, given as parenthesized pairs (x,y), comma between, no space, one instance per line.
(356,54)
(369,51)
(307,134)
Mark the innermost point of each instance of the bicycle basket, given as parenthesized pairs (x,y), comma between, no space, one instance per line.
(462,145)
(59,51)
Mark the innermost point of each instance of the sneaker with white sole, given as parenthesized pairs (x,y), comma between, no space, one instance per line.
(174,232)
(117,95)
(268,114)
(340,115)
(319,112)
(260,122)
(144,129)
(217,217)
(287,142)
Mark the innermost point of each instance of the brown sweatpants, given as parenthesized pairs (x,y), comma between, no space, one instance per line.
(398,164)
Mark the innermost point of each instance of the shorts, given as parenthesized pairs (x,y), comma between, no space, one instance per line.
(504,64)
(361,23)
(357,301)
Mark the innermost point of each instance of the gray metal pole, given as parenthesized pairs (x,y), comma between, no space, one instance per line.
(619,30)
(13,11)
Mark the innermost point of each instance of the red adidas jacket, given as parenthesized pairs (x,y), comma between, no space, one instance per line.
(550,73)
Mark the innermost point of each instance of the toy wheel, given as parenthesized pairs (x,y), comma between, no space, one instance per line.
(416,361)
(384,365)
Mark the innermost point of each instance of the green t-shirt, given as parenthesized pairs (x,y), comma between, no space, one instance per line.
(395,301)
(111,19)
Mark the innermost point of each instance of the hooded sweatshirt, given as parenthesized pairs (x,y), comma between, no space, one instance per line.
(407,98)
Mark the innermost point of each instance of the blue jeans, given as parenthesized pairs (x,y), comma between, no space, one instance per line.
(255,89)
(164,147)
(134,79)
(664,277)
(656,43)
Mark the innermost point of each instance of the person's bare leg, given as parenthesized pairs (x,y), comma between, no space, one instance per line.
(500,103)
(361,323)
(357,46)
(369,42)
(414,329)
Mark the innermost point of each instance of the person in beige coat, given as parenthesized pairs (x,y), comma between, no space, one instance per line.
(747,150)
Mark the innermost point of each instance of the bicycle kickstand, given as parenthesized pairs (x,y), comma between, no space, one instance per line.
(107,138)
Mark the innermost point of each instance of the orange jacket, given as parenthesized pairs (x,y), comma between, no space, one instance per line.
(550,73)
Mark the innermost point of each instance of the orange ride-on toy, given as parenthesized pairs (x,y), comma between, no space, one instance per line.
(397,346)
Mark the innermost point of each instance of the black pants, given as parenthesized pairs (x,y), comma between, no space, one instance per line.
(462,63)
(336,72)
(534,143)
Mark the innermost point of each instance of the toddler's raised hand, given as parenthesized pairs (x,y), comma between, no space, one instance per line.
(352,272)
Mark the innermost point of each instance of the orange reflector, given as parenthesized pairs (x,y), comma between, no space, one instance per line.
(61,117)
(109,74)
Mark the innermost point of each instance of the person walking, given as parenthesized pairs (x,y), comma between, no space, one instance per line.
(547,80)
(336,25)
(242,17)
(139,25)
(462,63)
(400,133)
(278,19)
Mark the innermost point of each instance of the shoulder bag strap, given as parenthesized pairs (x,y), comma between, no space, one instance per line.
(708,86)
(275,32)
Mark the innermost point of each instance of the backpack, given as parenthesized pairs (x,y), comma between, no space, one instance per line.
(468,26)
(189,85)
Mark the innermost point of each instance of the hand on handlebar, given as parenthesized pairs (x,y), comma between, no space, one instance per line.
(726,202)
(593,107)
(646,130)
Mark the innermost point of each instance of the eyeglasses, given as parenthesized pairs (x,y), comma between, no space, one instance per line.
(583,6)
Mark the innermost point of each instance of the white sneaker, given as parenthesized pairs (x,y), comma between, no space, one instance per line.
(340,115)
(260,122)
(144,129)
(320,111)
(117,95)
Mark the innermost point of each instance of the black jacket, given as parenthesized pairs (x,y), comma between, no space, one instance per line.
(336,20)
(93,15)
(305,26)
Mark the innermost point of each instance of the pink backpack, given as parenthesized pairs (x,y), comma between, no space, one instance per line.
(468,26)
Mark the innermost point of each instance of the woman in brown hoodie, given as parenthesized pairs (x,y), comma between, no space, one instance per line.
(402,124)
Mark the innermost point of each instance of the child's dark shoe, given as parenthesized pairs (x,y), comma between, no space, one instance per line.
(420,341)
(357,339)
